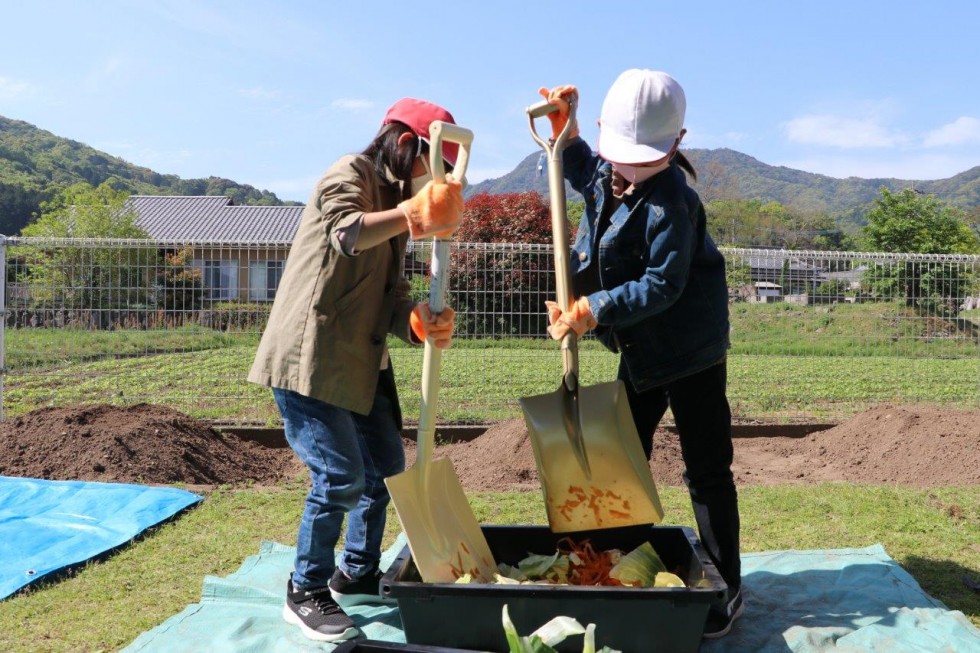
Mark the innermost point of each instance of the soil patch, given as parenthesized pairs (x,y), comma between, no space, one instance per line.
(906,445)
(143,443)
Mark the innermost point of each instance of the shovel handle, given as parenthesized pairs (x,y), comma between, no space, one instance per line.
(440,131)
(559,226)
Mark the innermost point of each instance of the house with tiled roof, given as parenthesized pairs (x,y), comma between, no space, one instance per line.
(240,250)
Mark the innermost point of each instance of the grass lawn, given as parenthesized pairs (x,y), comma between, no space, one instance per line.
(932,533)
(787,362)
(481,382)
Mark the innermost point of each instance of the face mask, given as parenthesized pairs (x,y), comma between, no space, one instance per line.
(423,179)
(639,174)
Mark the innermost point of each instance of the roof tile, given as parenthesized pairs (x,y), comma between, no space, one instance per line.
(214,219)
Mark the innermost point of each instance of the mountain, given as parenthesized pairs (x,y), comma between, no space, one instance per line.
(727,174)
(35,165)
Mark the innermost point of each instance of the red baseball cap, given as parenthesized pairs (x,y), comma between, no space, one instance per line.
(418,115)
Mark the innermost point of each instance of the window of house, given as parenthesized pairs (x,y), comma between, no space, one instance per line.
(220,278)
(263,279)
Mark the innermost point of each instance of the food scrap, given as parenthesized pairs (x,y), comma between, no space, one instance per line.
(580,563)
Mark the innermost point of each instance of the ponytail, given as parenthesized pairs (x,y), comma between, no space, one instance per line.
(684,163)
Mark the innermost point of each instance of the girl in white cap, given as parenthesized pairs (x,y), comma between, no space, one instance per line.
(324,353)
(651,282)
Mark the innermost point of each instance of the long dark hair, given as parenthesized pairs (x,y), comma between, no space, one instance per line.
(385,152)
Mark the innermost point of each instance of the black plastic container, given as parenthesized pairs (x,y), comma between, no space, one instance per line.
(377,646)
(632,620)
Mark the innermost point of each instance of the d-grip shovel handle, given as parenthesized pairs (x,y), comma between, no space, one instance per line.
(571,408)
(559,227)
(439,131)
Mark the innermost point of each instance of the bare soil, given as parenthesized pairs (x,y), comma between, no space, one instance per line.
(906,445)
(144,443)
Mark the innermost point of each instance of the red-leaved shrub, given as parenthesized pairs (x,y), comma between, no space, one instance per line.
(500,292)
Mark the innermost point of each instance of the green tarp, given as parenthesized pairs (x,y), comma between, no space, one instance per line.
(839,600)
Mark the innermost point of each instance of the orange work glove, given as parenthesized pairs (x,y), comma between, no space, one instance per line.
(578,318)
(436,210)
(559,118)
(437,329)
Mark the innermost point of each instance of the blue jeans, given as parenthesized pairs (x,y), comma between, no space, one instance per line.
(349,456)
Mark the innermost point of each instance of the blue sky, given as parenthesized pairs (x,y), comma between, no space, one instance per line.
(269,94)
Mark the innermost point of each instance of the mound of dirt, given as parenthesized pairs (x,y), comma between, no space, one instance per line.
(143,443)
(907,445)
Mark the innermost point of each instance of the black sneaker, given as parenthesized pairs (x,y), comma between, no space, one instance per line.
(347,591)
(317,615)
(720,620)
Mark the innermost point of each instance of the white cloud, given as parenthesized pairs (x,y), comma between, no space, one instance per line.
(259,93)
(352,103)
(14,89)
(962,131)
(842,132)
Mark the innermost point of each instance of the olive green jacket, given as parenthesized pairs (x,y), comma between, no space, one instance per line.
(328,326)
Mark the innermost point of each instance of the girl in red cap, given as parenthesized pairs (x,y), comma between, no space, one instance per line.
(651,282)
(324,354)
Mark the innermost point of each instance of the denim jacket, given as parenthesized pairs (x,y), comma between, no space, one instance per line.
(654,279)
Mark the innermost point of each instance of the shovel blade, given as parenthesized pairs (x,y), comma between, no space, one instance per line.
(443,534)
(620,490)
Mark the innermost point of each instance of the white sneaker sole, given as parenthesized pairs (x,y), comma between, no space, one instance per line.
(292,618)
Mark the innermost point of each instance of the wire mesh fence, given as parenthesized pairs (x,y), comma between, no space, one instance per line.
(816,336)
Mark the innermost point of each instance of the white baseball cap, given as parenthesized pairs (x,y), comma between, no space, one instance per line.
(642,117)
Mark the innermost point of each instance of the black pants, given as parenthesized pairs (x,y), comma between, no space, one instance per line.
(704,423)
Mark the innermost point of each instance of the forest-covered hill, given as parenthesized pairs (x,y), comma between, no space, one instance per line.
(35,164)
(727,174)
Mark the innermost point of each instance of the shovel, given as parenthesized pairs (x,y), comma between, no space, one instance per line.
(443,534)
(591,464)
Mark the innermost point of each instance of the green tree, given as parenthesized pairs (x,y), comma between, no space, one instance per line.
(88,274)
(913,223)
(910,222)
(180,285)
(575,211)
(81,211)
(755,223)
(738,277)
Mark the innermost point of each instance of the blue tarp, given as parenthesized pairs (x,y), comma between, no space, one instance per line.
(242,613)
(47,526)
(839,600)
